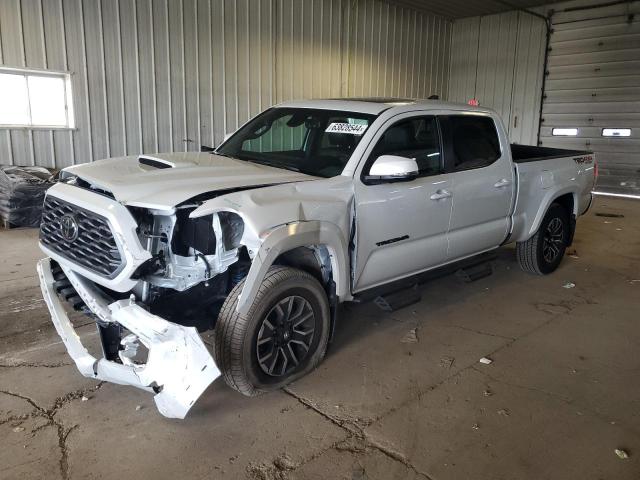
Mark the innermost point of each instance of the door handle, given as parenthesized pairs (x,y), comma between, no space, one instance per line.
(502,183)
(440,194)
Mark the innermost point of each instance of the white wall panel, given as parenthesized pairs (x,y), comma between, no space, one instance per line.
(171,75)
(409,59)
(498,60)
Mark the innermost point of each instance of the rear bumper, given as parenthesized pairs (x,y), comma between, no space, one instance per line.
(179,367)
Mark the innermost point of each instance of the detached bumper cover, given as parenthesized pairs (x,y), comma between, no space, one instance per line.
(179,367)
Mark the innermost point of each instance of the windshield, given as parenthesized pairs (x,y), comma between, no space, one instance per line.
(311,141)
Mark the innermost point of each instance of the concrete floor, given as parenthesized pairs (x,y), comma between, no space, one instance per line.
(562,393)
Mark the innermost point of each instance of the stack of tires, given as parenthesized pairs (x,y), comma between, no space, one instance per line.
(22,191)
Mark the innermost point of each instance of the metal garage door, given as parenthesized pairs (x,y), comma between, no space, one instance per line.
(592,90)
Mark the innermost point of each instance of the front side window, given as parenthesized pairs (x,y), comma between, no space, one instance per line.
(35,99)
(415,138)
(474,141)
(312,141)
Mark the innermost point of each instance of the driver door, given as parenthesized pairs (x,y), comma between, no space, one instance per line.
(401,227)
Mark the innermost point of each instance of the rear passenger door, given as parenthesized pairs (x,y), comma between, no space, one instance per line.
(483,183)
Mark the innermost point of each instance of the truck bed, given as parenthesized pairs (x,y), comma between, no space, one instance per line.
(544,174)
(530,153)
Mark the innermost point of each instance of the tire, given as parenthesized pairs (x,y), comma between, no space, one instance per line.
(552,236)
(236,336)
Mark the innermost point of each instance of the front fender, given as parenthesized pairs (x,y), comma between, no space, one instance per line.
(290,236)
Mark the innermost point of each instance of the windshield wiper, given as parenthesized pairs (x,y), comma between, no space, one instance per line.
(267,163)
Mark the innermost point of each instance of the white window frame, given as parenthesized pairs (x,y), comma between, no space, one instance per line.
(68,99)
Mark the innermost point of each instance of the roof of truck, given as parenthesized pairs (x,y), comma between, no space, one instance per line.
(376,105)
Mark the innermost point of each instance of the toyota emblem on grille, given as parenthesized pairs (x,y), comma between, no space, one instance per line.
(69,227)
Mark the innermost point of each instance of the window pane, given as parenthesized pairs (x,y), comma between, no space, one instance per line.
(47,100)
(279,136)
(564,132)
(616,132)
(475,141)
(317,142)
(14,100)
(415,138)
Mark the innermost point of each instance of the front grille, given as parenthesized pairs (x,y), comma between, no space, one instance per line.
(91,245)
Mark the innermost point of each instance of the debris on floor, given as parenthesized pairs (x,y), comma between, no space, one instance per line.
(276,470)
(504,412)
(475,426)
(84,398)
(447,361)
(621,453)
(485,361)
(138,408)
(569,285)
(284,462)
(572,252)
(410,337)
(487,393)
(18,429)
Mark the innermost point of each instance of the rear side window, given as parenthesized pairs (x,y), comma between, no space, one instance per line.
(416,138)
(474,141)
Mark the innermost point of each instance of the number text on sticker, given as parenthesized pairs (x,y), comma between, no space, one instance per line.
(348,128)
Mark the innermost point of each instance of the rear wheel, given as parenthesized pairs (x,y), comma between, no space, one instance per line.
(543,252)
(283,337)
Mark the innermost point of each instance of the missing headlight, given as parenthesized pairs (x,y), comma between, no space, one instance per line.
(232,229)
(196,233)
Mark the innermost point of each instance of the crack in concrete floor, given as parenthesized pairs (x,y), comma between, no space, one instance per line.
(355,428)
(357,432)
(48,414)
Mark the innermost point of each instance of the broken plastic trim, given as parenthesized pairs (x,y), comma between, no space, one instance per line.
(178,369)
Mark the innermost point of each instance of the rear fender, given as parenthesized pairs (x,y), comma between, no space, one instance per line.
(547,200)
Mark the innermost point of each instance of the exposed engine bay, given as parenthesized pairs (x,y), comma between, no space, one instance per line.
(195,262)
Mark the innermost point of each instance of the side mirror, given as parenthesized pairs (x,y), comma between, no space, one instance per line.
(392,168)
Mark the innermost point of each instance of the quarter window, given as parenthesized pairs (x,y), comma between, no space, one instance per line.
(415,138)
(474,141)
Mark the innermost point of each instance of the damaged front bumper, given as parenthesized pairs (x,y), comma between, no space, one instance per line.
(179,367)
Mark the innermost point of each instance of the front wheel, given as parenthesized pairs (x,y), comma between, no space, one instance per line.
(283,337)
(543,252)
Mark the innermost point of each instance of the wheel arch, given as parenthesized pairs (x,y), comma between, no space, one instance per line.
(566,197)
(286,245)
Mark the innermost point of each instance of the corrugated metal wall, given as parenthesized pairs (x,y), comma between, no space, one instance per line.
(593,83)
(170,75)
(498,59)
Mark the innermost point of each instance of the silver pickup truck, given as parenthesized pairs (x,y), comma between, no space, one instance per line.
(309,204)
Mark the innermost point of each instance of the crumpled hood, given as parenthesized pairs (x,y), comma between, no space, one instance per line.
(184,176)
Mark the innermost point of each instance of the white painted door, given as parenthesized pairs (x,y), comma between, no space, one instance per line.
(401,228)
(483,184)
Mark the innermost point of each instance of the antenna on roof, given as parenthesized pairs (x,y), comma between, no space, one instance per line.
(434,97)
